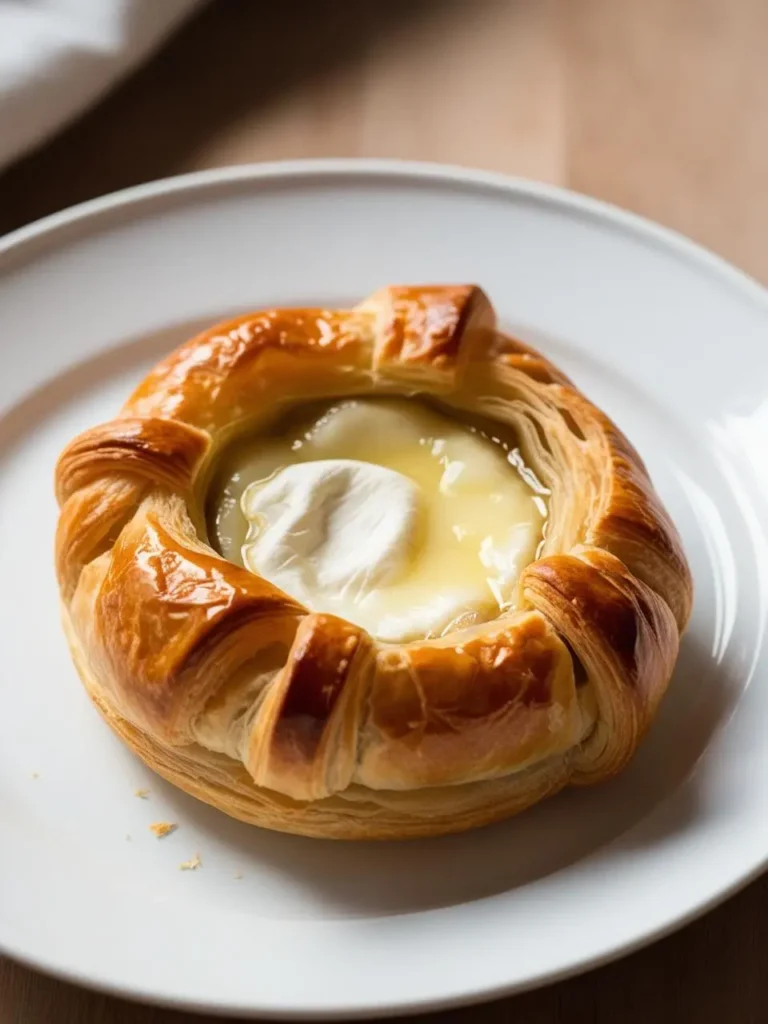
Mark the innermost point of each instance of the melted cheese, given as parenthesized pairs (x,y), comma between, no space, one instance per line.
(386,513)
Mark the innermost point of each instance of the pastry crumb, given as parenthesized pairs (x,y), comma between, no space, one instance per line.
(238,875)
(142,794)
(163,828)
(191,865)
(35,775)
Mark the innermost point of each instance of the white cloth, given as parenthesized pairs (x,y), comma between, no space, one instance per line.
(58,56)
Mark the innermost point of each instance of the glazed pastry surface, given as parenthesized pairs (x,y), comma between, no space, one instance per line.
(297,718)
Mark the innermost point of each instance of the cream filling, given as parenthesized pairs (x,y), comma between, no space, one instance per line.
(385,513)
(332,533)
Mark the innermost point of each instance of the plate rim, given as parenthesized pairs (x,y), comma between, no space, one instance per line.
(372,167)
(89,216)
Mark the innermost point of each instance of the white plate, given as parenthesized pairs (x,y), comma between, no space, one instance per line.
(668,339)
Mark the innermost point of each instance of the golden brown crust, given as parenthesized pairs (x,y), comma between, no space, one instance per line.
(626,639)
(163,452)
(479,705)
(301,721)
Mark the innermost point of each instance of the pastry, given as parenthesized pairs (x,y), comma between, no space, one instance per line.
(370,573)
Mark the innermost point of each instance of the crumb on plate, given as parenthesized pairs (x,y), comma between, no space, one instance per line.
(142,794)
(191,865)
(163,828)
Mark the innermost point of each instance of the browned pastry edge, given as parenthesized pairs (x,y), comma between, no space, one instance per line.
(302,722)
(224,783)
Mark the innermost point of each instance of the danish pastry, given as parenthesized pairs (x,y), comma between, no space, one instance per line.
(370,573)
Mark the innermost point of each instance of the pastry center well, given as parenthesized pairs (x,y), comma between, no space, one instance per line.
(386,513)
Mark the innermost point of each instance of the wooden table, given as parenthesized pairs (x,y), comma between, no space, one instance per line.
(658,105)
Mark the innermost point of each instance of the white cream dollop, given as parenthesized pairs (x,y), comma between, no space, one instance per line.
(331,532)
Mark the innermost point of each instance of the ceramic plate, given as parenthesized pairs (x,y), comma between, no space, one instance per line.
(669,340)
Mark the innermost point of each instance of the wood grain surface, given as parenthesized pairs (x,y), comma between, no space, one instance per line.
(660,106)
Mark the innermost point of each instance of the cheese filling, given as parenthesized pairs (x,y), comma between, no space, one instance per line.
(385,513)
